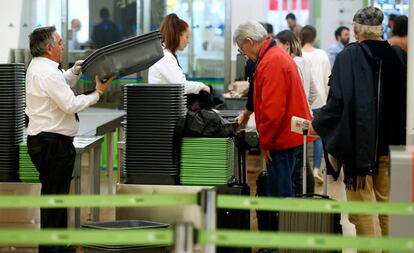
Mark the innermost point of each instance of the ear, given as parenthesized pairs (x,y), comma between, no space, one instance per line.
(251,42)
(49,49)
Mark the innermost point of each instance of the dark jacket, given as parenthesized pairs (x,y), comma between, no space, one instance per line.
(105,33)
(349,124)
(249,71)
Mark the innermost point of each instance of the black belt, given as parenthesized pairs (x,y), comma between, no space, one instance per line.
(55,136)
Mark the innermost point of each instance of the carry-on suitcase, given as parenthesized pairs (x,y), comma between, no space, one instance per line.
(264,217)
(235,219)
(300,222)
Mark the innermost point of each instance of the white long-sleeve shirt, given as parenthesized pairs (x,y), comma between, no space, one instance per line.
(167,70)
(321,70)
(50,103)
(305,71)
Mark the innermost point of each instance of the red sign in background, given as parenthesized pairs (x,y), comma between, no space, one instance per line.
(274,5)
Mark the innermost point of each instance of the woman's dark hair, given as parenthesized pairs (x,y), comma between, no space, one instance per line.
(287,36)
(39,39)
(307,35)
(400,26)
(172,27)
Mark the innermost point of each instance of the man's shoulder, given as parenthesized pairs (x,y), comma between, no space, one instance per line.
(42,69)
(275,53)
(350,49)
(334,47)
(353,46)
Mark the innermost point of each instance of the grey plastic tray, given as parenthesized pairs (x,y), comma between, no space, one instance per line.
(125,57)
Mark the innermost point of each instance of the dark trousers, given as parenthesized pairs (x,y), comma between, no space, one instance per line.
(54,157)
(285,172)
(284,176)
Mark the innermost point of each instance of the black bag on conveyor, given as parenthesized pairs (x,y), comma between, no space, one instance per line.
(206,123)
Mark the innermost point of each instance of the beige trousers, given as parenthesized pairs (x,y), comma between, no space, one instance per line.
(377,189)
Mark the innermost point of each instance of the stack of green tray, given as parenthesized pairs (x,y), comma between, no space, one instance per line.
(28,172)
(207,161)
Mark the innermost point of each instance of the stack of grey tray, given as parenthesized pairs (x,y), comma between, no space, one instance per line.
(12,79)
(152,112)
(123,225)
(125,57)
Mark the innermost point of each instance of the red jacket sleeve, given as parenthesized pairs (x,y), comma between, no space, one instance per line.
(272,109)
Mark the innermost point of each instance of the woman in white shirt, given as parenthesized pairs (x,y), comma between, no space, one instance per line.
(321,70)
(287,41)
(175,33)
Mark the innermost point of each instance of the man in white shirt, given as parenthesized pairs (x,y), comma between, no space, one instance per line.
(51,107)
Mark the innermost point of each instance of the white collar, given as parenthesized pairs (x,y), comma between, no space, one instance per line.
(46,60)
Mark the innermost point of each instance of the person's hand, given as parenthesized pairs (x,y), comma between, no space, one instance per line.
(206,88)
(243,117)
(77,68)
(312,131)
(101,87)
(266,156)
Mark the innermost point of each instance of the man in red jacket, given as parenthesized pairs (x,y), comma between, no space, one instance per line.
(278,95)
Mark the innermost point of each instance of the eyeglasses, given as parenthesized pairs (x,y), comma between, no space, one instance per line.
(240,51)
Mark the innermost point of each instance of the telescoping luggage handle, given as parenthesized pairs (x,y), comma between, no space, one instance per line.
(241,159)
(301,126)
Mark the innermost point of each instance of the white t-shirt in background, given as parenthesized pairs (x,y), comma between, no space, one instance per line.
(321,70)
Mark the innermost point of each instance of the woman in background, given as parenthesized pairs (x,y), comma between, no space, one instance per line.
(400,33)
(321,70)
(175,34)
(287,41)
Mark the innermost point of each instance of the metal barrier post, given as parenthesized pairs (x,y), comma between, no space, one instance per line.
(208,203)
(184,238)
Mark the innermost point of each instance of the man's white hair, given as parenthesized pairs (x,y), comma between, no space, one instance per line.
(249,30)
(368,32)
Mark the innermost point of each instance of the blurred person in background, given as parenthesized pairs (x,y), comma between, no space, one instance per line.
(288,42)
(292,24)
(106,32)
(390,25)
(175,34)
(321,70)
(400,33)
(73,43)
(342,37)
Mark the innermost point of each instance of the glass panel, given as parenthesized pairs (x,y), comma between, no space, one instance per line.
(203,59)
(111,21)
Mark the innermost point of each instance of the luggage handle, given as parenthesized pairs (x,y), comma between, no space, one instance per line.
(305,142)
(241,157)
